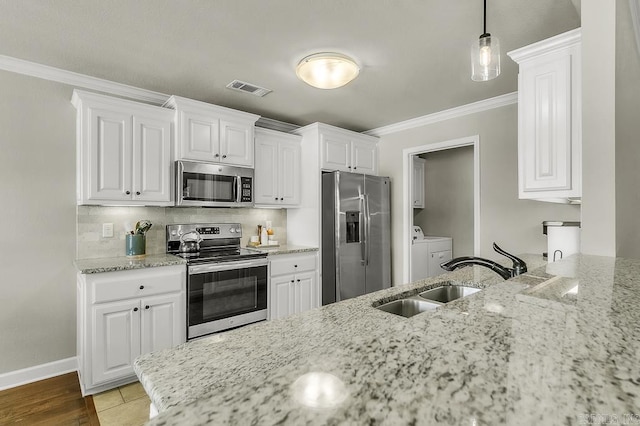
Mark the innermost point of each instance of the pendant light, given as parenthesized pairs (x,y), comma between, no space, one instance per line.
(485,55)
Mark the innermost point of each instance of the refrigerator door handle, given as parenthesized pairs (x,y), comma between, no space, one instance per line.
(362,230)
(367,225)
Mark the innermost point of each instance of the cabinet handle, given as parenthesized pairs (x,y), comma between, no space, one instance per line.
(146,307)
(141,287)
(135,309)
(137,192)
(224,156)
(127,192)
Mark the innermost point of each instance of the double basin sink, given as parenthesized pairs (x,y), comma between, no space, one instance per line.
(427,300)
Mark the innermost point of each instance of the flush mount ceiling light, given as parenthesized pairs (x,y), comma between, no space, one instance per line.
(485,55)
(327,70)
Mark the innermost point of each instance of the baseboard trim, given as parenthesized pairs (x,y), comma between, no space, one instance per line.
(38,372)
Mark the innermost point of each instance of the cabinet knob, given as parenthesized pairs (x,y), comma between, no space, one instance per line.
(127,192)
(137,192)
(298,280)
(141,287)
(295,266)
(281,199)
(292,281)
(349,166)
(146,307)
(276,198)
(224,156)
(217,155)
(354,167)
(135,309)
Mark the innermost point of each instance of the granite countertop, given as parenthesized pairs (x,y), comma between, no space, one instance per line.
(285,249)
(557,345)
(123,263)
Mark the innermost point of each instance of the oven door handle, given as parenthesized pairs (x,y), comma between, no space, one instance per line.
(226,266)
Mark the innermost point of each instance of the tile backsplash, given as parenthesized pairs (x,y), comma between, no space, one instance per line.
(91,244)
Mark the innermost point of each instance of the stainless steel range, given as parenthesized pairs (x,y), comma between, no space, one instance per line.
(226,284)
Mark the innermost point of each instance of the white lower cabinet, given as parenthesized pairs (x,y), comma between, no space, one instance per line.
(294,284)
(122,315)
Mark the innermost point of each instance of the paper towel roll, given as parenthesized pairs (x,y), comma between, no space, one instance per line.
(562,240)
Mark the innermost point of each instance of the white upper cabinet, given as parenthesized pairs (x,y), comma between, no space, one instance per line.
(550,119)
(277,168)
(123,151)
(348,151)
(419,165)
(206,132)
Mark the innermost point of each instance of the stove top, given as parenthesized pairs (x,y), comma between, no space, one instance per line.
(226,255)
(220,242)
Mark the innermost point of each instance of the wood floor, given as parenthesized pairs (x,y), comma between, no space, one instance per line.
(55,401)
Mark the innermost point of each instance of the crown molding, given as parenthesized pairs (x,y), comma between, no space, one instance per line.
(58,75)
(560,41)
(448,114)
(280,126)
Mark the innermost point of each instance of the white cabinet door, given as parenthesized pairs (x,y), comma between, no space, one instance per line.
(116,340)
(266,171)
(162,326)
(109,171)
(550,119)
(335,153)
(546,125)
(305,291)
(282,296)
(236,143)
(289,173)
(364,157)
(199,136)
(151,159)
(419,165)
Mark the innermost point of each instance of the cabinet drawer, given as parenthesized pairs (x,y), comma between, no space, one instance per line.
(292,264)
(110,286)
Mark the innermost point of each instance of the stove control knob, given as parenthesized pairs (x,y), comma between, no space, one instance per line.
(238,230)
(232,230)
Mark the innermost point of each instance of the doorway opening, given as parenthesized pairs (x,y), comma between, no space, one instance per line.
(450,204)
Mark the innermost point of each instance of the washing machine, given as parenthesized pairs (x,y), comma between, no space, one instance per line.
(427,253)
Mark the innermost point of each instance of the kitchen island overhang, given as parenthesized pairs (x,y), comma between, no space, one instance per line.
(531,350)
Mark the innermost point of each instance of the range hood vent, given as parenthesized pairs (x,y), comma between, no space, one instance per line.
(242,86)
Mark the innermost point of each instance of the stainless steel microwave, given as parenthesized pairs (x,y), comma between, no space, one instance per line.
(213,185)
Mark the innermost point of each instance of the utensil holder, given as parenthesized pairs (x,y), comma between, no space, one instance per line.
(135,244)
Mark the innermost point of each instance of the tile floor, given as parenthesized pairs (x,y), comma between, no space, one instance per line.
(127,405)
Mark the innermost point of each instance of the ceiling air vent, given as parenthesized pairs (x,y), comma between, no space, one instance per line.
(248,88)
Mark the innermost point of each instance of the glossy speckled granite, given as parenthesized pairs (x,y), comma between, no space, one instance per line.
(518,352)
(110,264)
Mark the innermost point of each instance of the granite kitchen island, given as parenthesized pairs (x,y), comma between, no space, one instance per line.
(557,345)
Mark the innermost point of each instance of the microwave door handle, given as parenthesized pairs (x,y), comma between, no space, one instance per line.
(238,189)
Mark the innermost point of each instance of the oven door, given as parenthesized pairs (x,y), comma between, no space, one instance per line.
(226,295)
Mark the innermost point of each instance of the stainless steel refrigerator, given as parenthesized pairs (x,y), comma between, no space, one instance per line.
(356,237)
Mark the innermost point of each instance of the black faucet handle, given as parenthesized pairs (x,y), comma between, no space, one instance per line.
(519,265)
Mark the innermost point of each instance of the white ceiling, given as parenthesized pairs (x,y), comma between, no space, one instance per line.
(414,54)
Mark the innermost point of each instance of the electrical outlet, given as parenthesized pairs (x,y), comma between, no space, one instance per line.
(107,230)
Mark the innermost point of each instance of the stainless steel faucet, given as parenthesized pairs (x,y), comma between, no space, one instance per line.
(519,266)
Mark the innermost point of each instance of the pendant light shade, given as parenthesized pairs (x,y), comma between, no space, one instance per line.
(485,55)
(327,70)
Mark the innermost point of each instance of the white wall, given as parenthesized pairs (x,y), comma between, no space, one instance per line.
(598,128)
(627,135)
(514,224)
(37,189)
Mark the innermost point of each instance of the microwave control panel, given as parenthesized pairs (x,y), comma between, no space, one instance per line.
(246,190)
